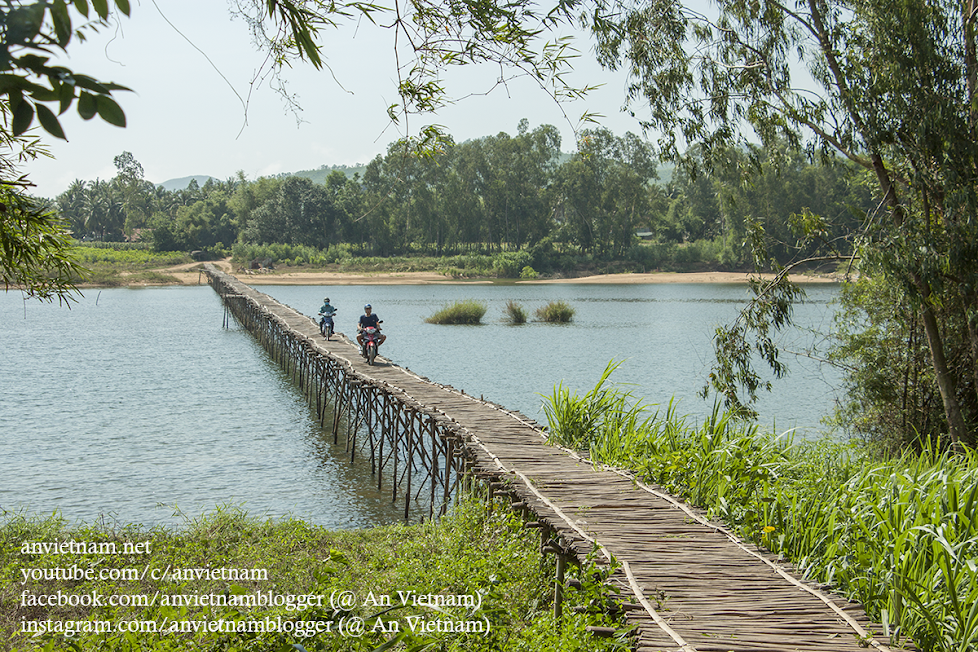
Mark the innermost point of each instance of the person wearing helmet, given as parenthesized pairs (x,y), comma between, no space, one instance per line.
(368,318)
(326,318)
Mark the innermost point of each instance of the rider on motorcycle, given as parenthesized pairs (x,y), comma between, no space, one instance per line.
(369,319)
(326,312)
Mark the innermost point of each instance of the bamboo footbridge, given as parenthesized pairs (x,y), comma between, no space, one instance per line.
(686,583)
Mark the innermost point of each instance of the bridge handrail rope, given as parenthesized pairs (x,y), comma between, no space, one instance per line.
(636,589)
(452,428)
(856,627)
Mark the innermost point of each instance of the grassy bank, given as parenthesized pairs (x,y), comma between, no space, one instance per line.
(109,267)
(899,535)
(545,259)
(476,570)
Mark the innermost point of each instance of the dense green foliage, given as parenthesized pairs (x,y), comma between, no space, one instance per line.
(473,551)
(899,535)
(880,343)
(892,86)
(35,250)
(515,199)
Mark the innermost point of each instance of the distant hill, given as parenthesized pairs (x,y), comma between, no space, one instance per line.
(319,176)
(183,182)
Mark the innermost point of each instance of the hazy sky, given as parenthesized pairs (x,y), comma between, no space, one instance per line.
(187,71)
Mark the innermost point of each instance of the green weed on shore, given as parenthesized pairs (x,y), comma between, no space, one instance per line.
(474,580)
(899,535)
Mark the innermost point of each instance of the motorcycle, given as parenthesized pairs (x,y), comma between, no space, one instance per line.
(371,340)
(326,324)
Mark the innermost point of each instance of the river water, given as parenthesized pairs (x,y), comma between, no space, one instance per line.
(136,406)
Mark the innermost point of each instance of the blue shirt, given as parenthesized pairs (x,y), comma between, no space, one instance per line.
(369,320)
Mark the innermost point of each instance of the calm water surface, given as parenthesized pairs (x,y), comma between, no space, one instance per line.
(137,403)
(662,333)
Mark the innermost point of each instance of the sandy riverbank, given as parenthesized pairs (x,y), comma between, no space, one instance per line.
(190,275)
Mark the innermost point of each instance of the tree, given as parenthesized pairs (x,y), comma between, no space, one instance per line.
(438,34)
(606,191)
(35,252)
(894,92)
(35,242)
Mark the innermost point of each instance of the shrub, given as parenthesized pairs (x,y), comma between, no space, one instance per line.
(528,272)
(460,312)
(515,313)
(555,312)
(509,263)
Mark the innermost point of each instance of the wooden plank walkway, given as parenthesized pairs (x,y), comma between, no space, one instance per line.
(696,586)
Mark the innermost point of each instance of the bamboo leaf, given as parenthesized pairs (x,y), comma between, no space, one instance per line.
(50,122)
(62,21)
(23,117)
(110,111)
(101,7)
(87,107)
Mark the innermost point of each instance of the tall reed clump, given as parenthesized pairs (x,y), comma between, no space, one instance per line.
(460,312)
(515,313)
(898,535)
(556,312)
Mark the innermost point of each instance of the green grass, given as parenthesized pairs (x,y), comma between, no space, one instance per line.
(898,535)
(117,267)
(460,312)
(129,259)
(555,312)
(480,554)
(515,313)
(109,276)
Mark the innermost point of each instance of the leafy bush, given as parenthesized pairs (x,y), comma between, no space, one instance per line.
(555,312)
(117,246)
(509,263)
(528,273)
(460,312)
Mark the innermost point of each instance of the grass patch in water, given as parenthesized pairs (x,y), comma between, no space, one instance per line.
(555,312)
(460,312)
(515,313)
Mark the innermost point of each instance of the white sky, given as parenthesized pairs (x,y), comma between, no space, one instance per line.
(185,119)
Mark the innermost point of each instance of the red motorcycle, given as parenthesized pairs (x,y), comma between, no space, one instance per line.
(371,340)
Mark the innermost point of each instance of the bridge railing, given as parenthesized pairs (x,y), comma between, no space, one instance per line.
(415,453)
